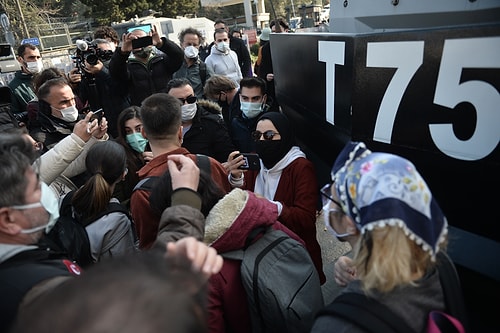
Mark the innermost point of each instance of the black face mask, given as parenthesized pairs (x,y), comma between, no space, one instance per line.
(270,152)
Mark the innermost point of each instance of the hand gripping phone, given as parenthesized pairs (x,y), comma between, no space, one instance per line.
(139,43)
(252,161)
(97,114)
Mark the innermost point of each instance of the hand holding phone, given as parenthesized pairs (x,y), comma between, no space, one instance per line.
(97,114)
(252,161)
(141,42)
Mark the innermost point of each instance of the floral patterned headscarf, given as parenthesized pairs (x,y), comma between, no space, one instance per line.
(379,189)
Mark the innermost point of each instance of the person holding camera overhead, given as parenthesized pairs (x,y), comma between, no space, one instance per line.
(145,72)
(93,82)
(285,177)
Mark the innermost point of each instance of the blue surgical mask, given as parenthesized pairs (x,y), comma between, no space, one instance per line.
(251,109)
(137,142)
(50,203)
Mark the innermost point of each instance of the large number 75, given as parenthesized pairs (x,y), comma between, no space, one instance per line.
(407,57)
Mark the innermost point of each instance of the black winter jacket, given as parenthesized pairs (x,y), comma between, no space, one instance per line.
(208,134)
(146,79)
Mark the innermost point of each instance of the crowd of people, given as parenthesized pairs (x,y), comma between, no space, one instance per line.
(161,130)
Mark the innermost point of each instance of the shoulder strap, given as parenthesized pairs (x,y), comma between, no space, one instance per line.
(239,254)
(452,290)
(118,207)
(203,72)
(367,313)
(66,206)
(112,208)
(203,162)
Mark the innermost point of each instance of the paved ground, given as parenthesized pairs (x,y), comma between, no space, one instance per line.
(331,249)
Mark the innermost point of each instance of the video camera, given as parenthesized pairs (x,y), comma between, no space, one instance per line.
(90,53)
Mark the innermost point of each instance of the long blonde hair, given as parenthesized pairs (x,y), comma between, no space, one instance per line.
(385,258)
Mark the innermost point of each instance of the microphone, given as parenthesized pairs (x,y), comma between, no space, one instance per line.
(82,45)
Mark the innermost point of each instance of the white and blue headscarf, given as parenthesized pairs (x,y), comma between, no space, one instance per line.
(380,189)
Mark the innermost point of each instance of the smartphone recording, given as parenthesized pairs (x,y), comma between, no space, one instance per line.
(97,114)
(252,162)
(142,42)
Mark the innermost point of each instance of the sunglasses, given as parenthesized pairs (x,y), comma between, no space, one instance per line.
(190,99)
(268,135)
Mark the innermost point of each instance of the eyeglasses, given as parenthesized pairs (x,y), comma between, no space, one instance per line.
(268,135)
(326,195)
(190,99)
(327,210)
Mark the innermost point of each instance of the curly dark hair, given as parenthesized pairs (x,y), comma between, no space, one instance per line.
(192,31)
(105,32)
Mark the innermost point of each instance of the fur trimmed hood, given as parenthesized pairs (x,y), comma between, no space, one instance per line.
(234,217)
(211,107)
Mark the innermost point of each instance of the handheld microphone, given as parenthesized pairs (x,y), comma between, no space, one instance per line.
(82,45)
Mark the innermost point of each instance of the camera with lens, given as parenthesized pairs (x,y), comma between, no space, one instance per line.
(94,54)
(90,53)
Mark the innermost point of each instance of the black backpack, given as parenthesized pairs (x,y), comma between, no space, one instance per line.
(281,283)
(374,317)
(70,236)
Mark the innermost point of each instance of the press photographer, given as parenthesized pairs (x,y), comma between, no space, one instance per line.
(93,83)
(90,53)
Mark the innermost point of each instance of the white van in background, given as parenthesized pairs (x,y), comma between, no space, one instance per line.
(8,64)
(324,14)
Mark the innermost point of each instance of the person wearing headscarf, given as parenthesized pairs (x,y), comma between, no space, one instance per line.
(286,177)
(381,205)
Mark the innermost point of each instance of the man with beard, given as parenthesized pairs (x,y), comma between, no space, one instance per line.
(30,60)
(145,71)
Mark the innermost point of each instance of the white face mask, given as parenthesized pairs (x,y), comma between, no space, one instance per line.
(223,47)
(191,52)
(250,109)
(50,203)
(188,111)
(34,67)
(69,114)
